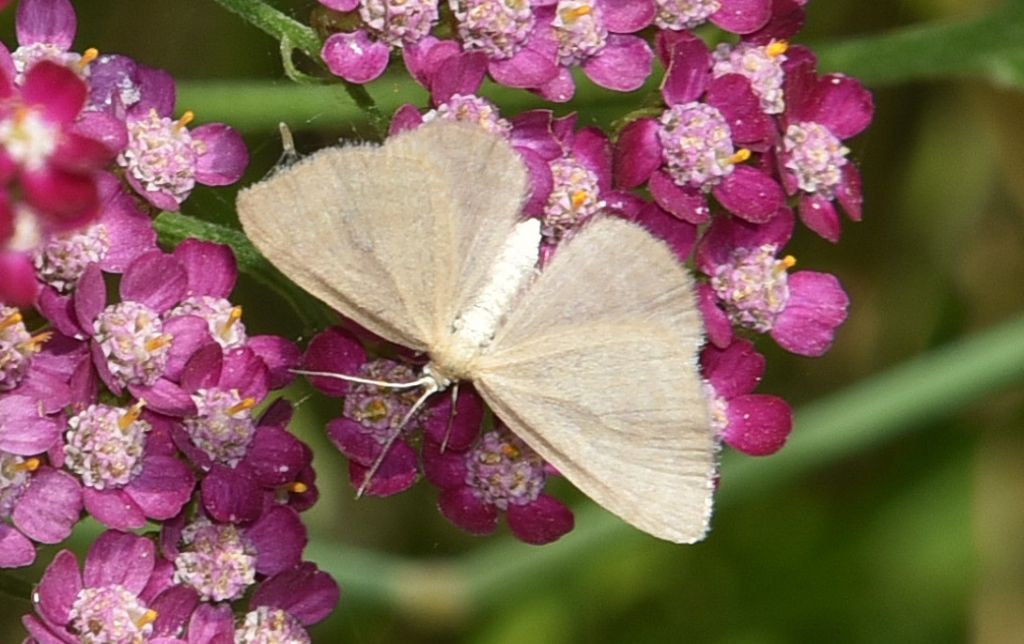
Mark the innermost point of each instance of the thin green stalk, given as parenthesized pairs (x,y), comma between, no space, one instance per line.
(302,37)
(867,414)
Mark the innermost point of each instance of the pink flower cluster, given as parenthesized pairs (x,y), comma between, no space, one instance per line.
(149,402)
(748,139)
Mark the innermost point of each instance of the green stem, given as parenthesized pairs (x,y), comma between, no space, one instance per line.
(862,416)
(173,228)
(302,37)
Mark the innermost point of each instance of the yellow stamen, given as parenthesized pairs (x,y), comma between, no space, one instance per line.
(158,342)
(509,451)
(578,199)
(88,56)
(243,405)
(739,156)
(30,465)
(569,15)
(131,415)
(185,119)
(789,261)
(298,488)
(147,618)
(776,48)
(10,320)
(233,317)
(36,342)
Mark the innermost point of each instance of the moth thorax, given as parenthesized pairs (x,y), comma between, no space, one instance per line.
(475,326)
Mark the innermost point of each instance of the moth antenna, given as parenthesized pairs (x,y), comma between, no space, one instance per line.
(451,417)
(288,152)
(423,381)
(431,389)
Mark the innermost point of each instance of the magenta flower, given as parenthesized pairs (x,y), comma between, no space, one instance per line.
(755,424)
(499,473)
(280,610)
(752,285)
(736,16)
(221,561)
(690,150)
(597,36)
(820,114)
(762,65)
(120,596)
(45,30)
(362,55)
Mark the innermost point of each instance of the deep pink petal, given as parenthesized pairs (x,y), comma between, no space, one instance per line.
(55,90)
(460,74)
(15,549)
(456,432)
(231,495)
(688,204)
(51,391)
(336,350)
(162,488)
(212,624)
(444,469)
(166,397)
(424,57)
(211,268)
(119,558)
(843,105)
(817,306)
(26,430)
(680,235)
(397,472)
(276,457)
(637,153)
(340,5)
(460,506)
(279,354)
(223,156)
(688,72)
(78,153)
(732,371)
(105,129)
(46,21)
(173,607)
(279,537)
(19,286)
(849,193)
(750,194)
(787,19)
(758,424)
(627,16)
(66,200)
(244,371)
(535,130)
(528,67)
(90,297)
(623,65)
(304,592)
(732,95)
(354,57)
(716,323)
(593,150)
(541,181)
(129,230)
(742,16)
(156,280)
(113,508)
(50,507)
(407,117)
(544,520)
(560,88)
(44,632)
(59,588)
(819,214)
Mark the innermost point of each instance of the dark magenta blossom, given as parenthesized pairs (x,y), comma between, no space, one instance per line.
(280,610)
(221,561)
(755,424)
(821,113)
(362,55)
(754,288)
(120,596)
(497,473)
(691,150)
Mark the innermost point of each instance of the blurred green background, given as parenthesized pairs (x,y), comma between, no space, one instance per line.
(896,514)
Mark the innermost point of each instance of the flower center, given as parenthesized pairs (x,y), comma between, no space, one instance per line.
(579,30)
(16,348)
(223,426)
(754,286)
(574,197)
(26,56)
(684,14)
(61,261)
(105,445)
(381,410)
(815,156)
(216,559)
(761,65)
(503,471)
(223,318)
(131,337)
(471,109)
(111,614)
(398,22)
(161,154)
(270,626)
(28,138)
(696,144)
(496,27)
(15,475)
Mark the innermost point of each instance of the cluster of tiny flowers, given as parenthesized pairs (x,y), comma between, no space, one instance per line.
(749,140)
(146,405)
